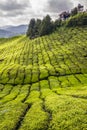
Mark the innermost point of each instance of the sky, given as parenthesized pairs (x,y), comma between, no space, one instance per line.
(16,12)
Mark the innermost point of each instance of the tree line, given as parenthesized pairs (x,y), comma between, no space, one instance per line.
(46,26)
(43,27)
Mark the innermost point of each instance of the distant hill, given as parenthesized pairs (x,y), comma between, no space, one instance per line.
(9,31)
(6,34)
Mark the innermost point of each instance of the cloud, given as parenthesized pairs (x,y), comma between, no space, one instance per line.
(21,11)
(11,5)
(59,5)
(13,8)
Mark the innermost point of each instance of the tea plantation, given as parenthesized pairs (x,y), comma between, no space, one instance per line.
(43,82)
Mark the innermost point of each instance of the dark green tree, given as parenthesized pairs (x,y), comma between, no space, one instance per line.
(57,23)
(37,27)
(74,11)
(31,28)
(46,26)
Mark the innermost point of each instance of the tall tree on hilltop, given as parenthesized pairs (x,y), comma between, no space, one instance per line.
(37,27)
(46,26)
(57,23)
(31,28)
(74,11)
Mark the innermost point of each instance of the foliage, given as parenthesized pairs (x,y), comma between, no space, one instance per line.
(57,23)
(43,82)
(46,26)
(77,20)
(73,18)
(40,28)
(31,28)
(74,11)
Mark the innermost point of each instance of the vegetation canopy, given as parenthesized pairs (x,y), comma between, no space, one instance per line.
(43,82)
(76,17)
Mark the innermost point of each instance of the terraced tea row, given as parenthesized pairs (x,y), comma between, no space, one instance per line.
(43,82)
(26,62)
(41,107)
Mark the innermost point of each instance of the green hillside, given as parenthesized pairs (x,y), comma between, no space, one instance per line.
(78,20)
(43,82)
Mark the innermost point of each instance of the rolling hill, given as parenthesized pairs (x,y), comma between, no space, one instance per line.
(43,82)
(10,31)
(6,33)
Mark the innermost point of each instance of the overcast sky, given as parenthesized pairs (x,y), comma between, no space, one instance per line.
(16,12)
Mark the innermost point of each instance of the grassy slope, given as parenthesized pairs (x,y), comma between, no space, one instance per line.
(43,82)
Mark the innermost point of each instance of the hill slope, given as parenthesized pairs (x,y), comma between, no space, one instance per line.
(43,81)
(5,33)
(10,31)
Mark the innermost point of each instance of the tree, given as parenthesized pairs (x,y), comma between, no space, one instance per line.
(74,11)
(31,28)
(37,27)
(57,23)
(46,26)
(40,28)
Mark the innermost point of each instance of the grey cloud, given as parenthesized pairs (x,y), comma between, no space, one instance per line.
(21,11)
(59,5)
(14,13)
(13,5)
(14,8)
